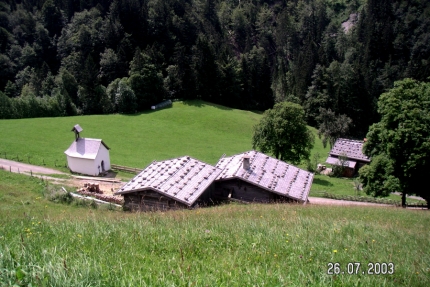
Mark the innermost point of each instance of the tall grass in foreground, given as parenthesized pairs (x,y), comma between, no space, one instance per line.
(230,245)
(47,244)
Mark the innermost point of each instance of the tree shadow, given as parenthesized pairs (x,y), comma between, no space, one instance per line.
(201,104)
(145,112)
(322,182)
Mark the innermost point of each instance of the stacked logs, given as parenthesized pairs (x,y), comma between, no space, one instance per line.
(93,189)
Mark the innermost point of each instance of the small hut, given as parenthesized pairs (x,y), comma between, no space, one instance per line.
(86,155)
(348,153)
(177,183)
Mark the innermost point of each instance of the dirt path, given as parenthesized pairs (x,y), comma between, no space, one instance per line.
(39,171)
(328,201)
(24,167)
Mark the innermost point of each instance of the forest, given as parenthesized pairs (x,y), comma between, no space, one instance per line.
(333,57)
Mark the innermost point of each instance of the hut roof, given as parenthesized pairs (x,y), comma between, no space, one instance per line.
(268,173)
(85,148)
(183,179)
(352,149)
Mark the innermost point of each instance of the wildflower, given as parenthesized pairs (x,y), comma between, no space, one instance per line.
(346,249)
(335,251)
(275,255)
(286,241)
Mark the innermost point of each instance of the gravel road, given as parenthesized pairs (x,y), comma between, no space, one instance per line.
(24,167)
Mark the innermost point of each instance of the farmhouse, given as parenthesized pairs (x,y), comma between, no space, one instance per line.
(86,155)
(177,183)
(352,151)
(255,177)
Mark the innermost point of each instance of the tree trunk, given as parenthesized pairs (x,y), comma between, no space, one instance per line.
(404,199)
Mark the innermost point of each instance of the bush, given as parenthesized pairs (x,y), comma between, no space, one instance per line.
(61,197)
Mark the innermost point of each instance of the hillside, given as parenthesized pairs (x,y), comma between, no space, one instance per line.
(195,128)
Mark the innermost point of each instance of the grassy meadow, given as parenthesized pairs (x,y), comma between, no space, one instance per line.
(195,128)
(51,244)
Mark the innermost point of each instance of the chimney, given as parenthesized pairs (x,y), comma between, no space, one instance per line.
(246,164)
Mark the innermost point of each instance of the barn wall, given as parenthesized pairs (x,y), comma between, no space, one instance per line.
(206,198)
(103,154)
(82,165)
(244,191)
(150,201)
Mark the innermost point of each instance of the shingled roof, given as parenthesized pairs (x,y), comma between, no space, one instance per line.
(183,179)
(85,148)
(352,149)
(268,173)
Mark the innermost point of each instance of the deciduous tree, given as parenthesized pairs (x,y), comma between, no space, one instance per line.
(283,132)
(400,143)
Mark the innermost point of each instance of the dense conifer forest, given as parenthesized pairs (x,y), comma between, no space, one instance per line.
(333,57)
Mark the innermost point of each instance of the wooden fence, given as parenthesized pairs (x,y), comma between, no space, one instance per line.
(126,168)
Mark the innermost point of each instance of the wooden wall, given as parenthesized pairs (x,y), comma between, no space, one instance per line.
(244,191)
(150,200)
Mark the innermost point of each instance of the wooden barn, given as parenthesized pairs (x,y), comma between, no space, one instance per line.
(255,177)
(352,150)
(171,184)
(87,156)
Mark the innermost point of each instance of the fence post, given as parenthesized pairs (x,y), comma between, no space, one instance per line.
(31,173)
(18,170)
(10,168)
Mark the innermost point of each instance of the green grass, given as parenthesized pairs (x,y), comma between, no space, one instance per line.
(48,244)
(195,128)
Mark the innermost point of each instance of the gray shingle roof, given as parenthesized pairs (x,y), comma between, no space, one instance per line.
(351,148)
(268,173)
(85,148)
(183,179)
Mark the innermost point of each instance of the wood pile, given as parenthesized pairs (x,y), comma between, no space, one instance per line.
(104,197)
(91,187)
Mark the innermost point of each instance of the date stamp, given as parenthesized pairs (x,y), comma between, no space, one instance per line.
(355,268)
